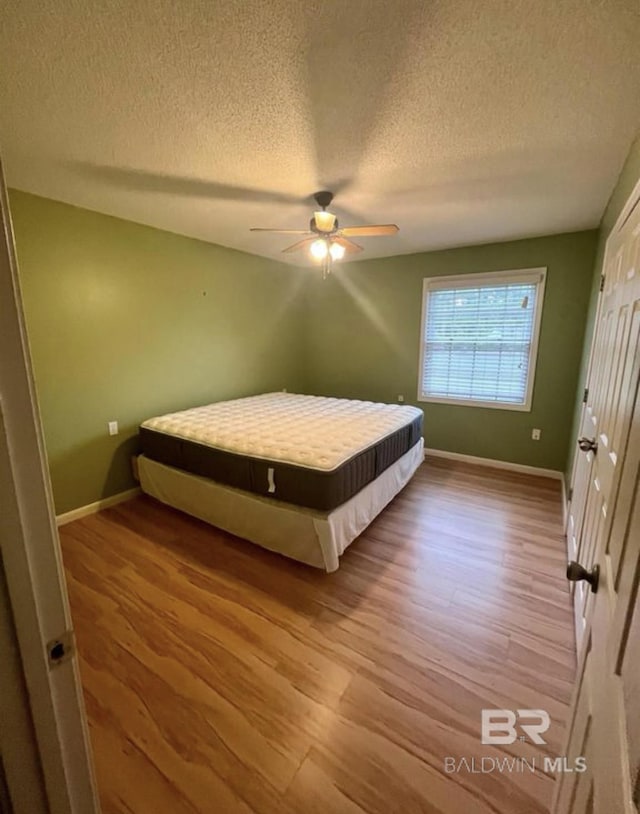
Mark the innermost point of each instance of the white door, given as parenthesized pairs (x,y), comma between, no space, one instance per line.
(580,472)
(606,708)
(603,392)
(32,569)
(582,460)
(580,480)
(580,477)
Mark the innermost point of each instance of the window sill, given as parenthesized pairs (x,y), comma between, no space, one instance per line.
(492,405)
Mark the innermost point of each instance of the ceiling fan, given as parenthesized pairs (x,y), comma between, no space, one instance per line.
(325,238)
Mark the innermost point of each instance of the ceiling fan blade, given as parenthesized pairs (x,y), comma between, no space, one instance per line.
(370,231)
(301,244)
(349,246)
(281,231)
(136,180)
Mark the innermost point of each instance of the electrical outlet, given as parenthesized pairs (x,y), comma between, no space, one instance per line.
(400,399)
(535,434)
(113,427)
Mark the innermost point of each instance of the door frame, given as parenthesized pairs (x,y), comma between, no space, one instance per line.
(51,749)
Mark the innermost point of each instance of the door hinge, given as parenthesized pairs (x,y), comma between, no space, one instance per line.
(602,282)
(60,649)
(585,395)
(569,495)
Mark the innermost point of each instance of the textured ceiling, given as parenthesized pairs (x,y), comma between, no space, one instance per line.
(463,121)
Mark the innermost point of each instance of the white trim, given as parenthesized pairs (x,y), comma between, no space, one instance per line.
(630,205)
(565,504)
(529,275)
(20,757)
(533,275)
(92,508)
(496,464)
(492,405)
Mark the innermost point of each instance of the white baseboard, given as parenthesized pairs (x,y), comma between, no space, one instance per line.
(513,467)
(92,508)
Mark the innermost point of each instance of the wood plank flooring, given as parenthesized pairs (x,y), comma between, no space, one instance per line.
(222,678)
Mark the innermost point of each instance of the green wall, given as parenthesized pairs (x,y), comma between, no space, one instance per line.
(621,192)
(363,339)
(126,322)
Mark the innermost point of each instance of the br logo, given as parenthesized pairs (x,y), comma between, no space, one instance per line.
(501,725)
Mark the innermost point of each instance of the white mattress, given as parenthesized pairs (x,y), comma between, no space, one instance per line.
(311,431)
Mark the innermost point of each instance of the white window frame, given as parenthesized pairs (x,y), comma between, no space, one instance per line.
(472,280)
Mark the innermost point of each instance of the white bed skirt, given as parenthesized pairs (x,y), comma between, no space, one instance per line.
(313,537)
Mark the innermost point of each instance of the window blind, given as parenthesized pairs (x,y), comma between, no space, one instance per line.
(477,341)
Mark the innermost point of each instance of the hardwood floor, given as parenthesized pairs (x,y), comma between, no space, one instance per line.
(222,678)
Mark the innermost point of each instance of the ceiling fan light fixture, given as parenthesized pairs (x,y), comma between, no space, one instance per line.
(325,221)
(319,249)
(326,240)
(336,250)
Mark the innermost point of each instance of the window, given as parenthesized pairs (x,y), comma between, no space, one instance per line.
(479,338)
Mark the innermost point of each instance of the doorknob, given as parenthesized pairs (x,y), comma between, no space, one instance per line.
(588,445)
(577,572)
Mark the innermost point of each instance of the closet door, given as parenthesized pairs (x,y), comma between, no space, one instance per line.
(606,707)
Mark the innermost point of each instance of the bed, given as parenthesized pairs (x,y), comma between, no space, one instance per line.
(300,475)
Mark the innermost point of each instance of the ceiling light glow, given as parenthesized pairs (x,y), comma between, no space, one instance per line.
(337,251)
(319,249)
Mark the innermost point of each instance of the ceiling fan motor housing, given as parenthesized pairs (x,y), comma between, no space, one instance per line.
(323,198)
